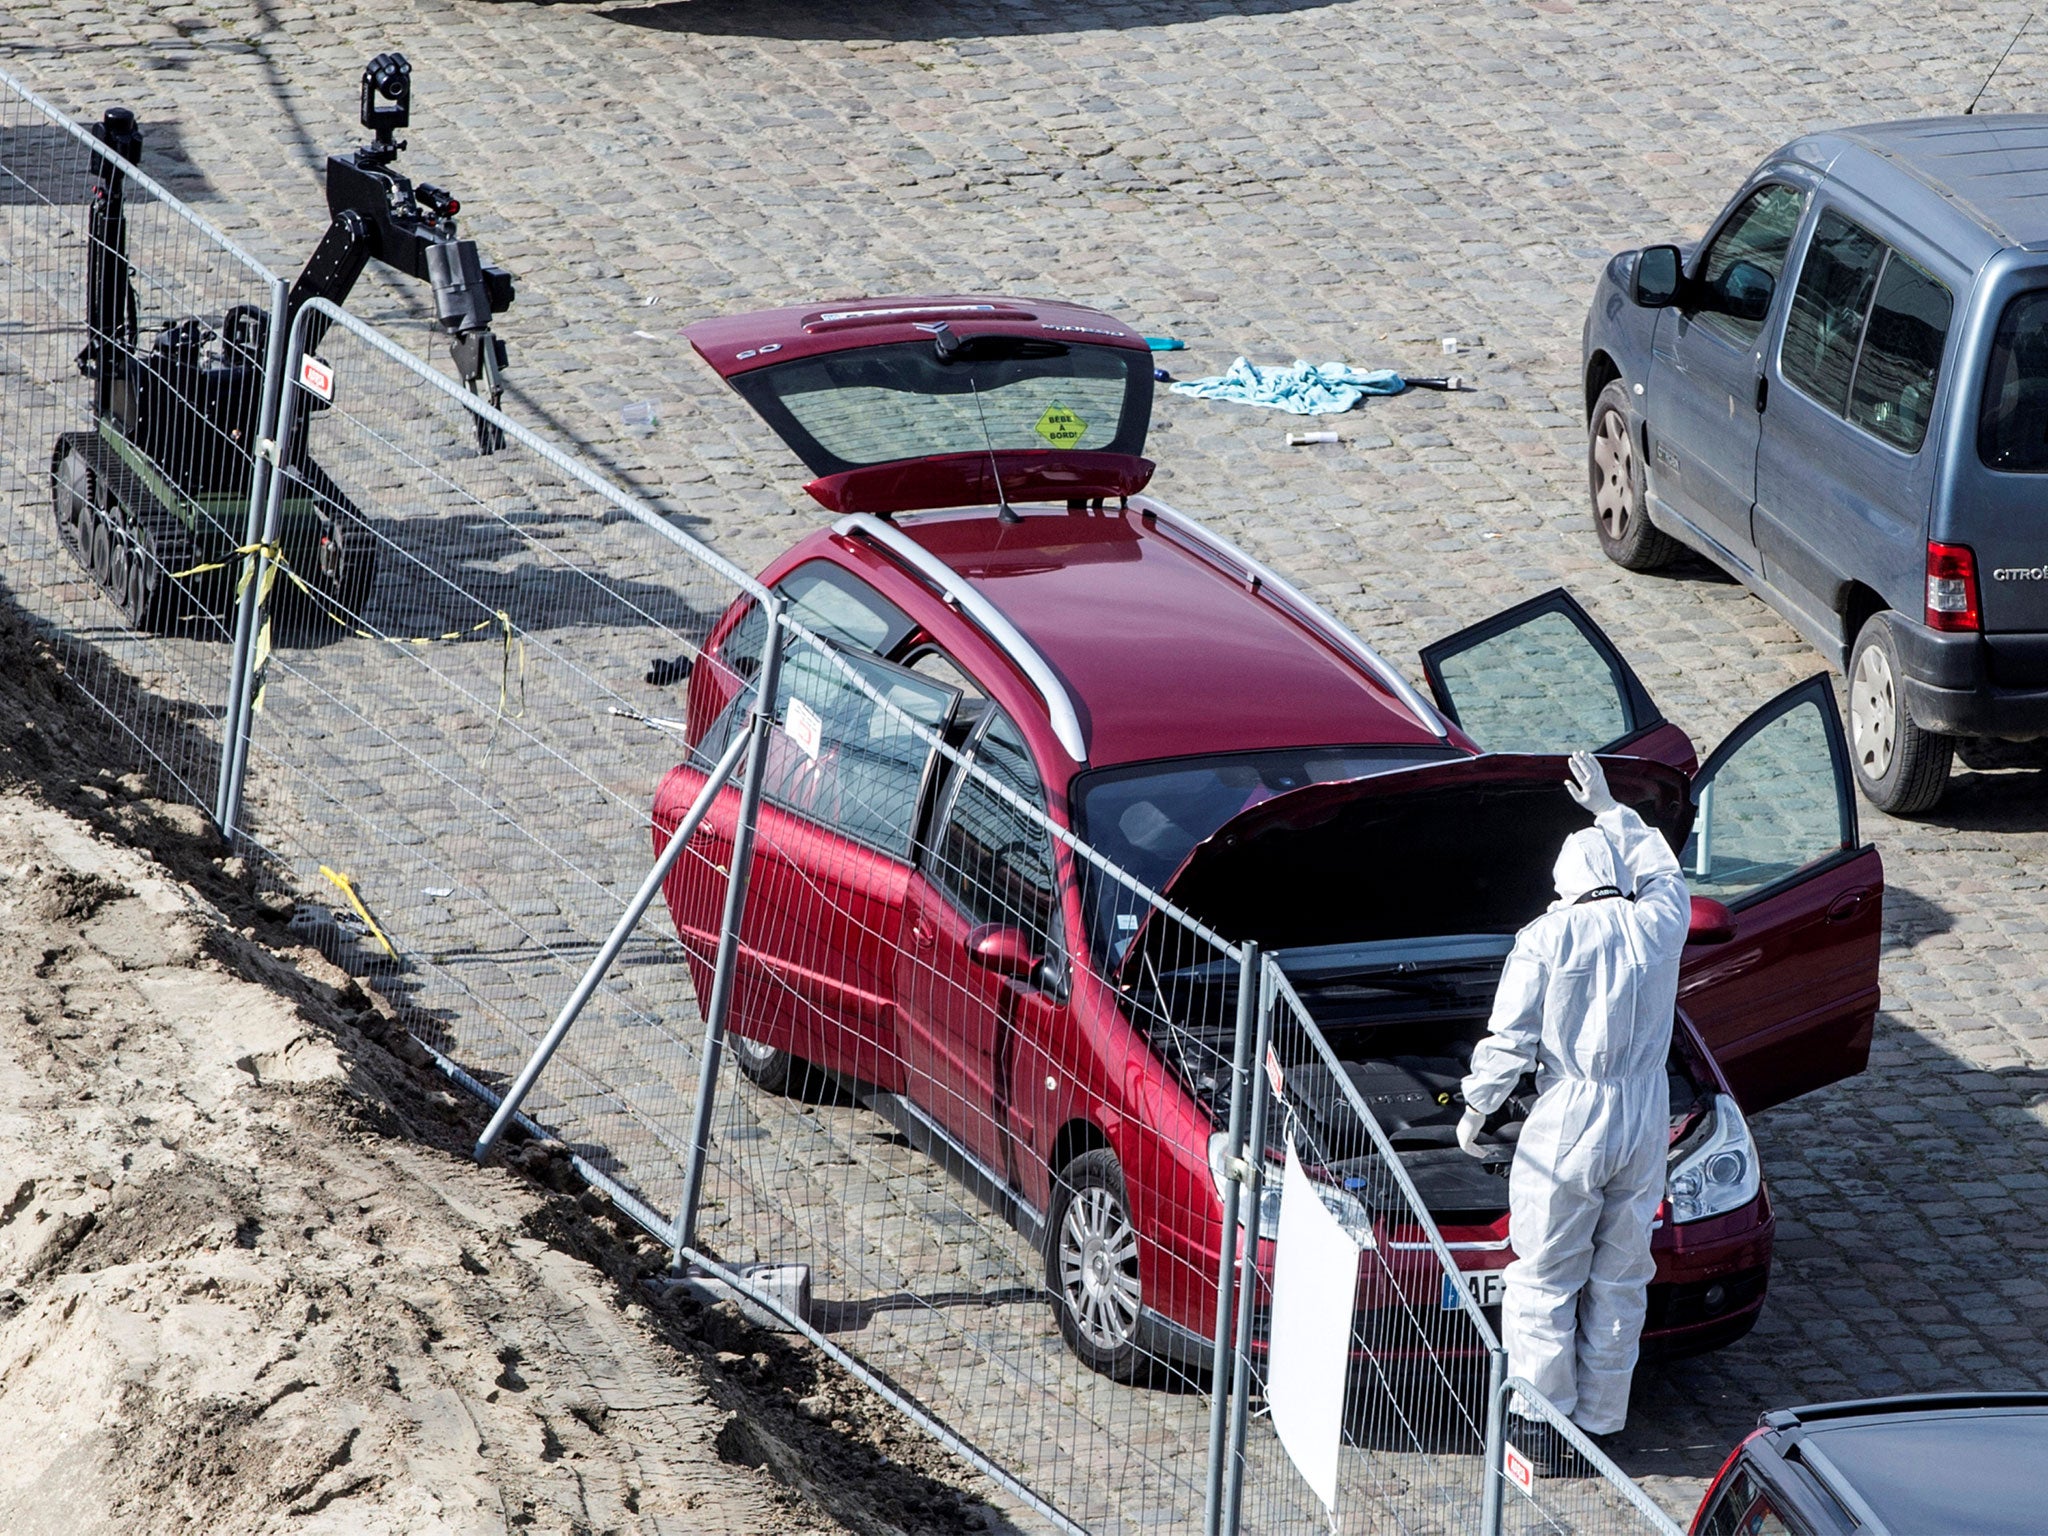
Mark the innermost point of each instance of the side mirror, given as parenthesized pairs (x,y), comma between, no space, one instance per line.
(1004,949)
(1711,923)
(1657,277)
(1744,291)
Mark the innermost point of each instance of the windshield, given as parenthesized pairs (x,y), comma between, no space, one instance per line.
(1147,818)
(876,405)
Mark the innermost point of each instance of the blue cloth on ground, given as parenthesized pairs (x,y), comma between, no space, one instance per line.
(1306,389)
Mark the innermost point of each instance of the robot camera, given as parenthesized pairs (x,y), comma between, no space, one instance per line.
(387,95)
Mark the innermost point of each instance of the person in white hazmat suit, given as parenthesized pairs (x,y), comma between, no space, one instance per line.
(1586,999)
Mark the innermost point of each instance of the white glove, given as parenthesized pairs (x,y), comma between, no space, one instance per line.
(1468,1132)
(1588,784)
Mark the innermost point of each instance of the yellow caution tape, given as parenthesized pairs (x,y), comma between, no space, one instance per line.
(278,565)
(348,889)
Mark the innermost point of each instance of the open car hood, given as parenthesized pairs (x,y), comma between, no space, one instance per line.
(909,404)
(1461,847)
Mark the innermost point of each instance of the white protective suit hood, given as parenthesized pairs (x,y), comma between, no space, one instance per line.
(1587,861)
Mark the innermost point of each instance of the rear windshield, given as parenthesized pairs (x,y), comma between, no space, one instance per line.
(846,410)
(2012,431)
(1146,819)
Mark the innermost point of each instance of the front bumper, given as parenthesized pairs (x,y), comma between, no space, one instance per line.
(1974,685)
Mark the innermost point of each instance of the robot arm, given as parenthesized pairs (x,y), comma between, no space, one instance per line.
(378,214)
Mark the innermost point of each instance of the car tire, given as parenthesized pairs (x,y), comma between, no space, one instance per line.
(767,1068)
(1900,768)
(1091,1266)
(1614,469)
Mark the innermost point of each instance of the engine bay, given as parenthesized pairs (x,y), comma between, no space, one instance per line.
(1402,1019)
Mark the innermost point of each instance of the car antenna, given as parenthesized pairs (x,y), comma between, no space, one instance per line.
(1004,511)
(947,346)
(1971,109)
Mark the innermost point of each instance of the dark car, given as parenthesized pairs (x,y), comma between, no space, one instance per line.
(1840,397)
(1148,687)
(1959,1464)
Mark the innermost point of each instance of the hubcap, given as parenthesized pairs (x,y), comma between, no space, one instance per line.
(1099,1268)
(1873,713)
(1614,469)
(753,1050)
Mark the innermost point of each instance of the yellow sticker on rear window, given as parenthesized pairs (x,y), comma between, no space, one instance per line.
(1060,427)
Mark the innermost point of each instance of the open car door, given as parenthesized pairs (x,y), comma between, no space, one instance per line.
(1788,1004)
(1541,677)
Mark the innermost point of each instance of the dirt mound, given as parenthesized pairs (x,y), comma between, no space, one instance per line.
(248,1279)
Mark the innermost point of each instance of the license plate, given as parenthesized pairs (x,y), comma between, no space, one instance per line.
(1482,1285)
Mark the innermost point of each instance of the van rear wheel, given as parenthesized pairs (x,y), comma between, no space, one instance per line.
(1900,768)
(1620,508)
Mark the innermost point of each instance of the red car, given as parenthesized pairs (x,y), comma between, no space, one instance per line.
(1209,731)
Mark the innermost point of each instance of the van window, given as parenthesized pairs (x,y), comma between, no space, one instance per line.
(1893,393)
(1758,233)
(1865,333)
(1825,327)
(2012,431)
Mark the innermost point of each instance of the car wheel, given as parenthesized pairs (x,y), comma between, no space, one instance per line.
(1899,767)
(1620,513)
(766,1067)
(1091,1266)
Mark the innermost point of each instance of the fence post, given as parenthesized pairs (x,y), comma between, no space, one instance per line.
(1220,1377)
(1491,1495)
(622,930)
(722,979)
(234,757)
(1247,1288)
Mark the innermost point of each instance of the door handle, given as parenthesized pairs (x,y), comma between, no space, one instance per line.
(1847,906)
(921,936)
(1763,393)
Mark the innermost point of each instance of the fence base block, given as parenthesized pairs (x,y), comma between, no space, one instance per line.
(789,1285)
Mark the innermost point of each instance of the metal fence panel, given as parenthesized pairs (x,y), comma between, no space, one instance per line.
(134,344)
(444,748)
(1415,1416)
(977,1152)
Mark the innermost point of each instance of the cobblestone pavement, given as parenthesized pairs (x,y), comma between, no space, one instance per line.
(1265,178)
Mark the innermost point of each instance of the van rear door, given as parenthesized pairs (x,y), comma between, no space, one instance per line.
(1998,469)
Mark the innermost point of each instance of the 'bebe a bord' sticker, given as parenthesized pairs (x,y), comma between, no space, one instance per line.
(1060,427)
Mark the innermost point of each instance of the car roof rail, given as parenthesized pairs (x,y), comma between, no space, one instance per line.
(956,589)
(1260,578)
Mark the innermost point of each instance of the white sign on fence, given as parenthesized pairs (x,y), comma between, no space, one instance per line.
(1315,1286)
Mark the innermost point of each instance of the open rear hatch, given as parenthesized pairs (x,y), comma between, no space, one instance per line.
(905,404)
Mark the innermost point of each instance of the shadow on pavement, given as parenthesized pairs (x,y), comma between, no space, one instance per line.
(831,21)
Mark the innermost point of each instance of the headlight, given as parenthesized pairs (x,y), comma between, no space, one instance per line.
(1269,1190)
(1720,1174)
(1349,1210)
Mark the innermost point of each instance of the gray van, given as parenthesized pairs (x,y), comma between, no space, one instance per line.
(1840,396)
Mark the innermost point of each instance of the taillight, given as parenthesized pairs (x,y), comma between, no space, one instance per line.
(1952,588)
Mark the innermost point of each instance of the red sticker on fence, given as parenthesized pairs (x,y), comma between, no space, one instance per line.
(1517,1467)
(1274,1075)
(316,377)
